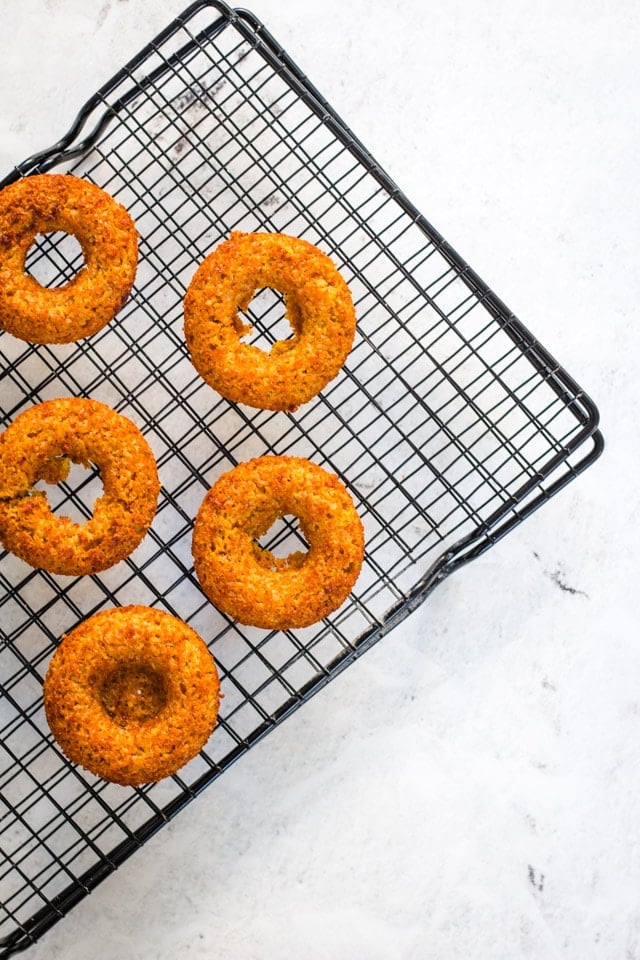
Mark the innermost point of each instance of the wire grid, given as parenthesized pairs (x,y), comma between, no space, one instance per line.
(447,424)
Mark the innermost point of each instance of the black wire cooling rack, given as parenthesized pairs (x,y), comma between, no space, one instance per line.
(449,423)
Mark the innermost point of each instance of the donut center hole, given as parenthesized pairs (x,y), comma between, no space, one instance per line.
(133,693)
(71,488)
(268,320)
(54,259)
(284,541)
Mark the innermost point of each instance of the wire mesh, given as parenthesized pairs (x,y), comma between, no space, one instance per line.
(448,424)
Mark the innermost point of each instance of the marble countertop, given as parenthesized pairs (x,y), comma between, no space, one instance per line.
(470,787)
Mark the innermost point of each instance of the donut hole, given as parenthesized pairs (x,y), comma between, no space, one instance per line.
(283,544)
(133,693)
(71,494)
(54,259)
(267,319)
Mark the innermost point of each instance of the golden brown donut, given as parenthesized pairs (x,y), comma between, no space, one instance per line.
(44,203)
(132,694)
(40,444)
(318,307)
(250,583)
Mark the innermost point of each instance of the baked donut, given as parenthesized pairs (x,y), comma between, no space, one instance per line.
(107,235)
(131,694)
(251,584)
(318,307)
(41,443)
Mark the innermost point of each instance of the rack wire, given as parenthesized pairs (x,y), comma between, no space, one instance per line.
(449,423)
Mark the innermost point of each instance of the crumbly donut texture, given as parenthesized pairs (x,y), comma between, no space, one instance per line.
(251,584)
(318,307)
(40,444)
(132,694)
(44,203)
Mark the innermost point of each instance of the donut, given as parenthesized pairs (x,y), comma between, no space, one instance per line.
(131,694)
(318,306)
(41,443)
(248,582)
(44,203)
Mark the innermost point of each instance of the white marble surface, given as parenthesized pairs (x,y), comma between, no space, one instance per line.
(471,787)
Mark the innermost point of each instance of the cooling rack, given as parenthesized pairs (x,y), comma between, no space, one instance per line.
(449,424)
